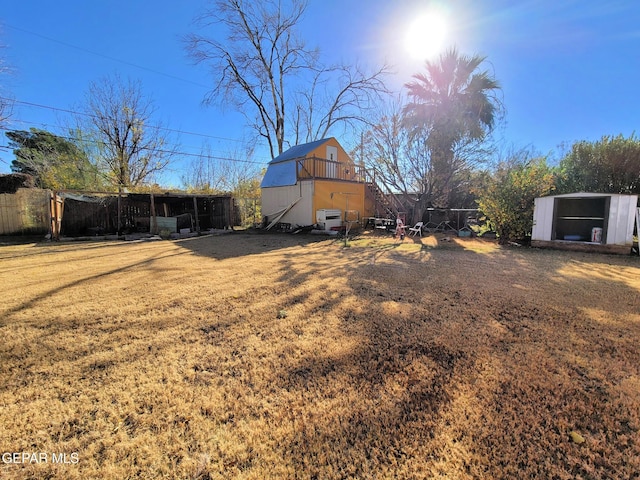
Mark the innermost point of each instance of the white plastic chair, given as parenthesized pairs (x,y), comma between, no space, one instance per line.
(417,228)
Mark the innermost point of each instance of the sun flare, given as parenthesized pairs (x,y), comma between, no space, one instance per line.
(426,36)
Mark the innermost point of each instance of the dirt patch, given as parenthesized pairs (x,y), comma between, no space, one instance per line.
(280,356)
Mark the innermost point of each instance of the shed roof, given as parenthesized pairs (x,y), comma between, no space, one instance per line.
(590,195)
(298,151)
(282,169)
(279,175)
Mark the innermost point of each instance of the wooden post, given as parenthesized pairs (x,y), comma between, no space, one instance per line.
(153,227)
(195,208)
(107,212)
(52,203)
(119,206)
(55,231)
(59,213)
(637,230)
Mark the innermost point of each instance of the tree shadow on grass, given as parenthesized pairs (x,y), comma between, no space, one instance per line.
(410,360)
(241,244)
(364,370)
(62,288)
(374,404)
(393,397)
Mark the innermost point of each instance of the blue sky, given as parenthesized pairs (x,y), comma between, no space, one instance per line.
(570,70)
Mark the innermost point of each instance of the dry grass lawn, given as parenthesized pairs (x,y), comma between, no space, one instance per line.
(257,356)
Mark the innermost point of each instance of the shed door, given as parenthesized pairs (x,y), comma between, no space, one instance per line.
(332,156)
(332,153)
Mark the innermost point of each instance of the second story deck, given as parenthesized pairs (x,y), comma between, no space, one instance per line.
(320,168)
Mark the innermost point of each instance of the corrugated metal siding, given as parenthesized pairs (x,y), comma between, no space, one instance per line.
(620,219)
(614,222)
(542,218)
(167,223)
(25,212)
(625,207)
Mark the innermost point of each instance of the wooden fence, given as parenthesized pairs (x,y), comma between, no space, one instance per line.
(32,211)
(26,212)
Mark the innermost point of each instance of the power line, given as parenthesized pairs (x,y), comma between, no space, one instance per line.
(72,139)
(168,152)
(120,61)
(108,57)
(74,112)
(131,64)
(187,154)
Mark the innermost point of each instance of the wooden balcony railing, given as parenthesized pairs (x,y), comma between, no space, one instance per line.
(314,167)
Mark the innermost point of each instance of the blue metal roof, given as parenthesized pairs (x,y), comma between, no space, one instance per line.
(298,151)
(282,169)
(279,175)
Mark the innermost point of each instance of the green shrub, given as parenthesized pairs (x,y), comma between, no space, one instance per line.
(508,198)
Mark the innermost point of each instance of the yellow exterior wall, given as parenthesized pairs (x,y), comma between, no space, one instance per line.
(321,151)
(312,167)
(322,197)
(324,188)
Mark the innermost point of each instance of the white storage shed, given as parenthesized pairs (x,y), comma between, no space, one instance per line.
(585,221)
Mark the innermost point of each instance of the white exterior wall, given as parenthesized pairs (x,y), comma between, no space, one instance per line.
(542,218)
(276,199)
(622,210)
(621,219)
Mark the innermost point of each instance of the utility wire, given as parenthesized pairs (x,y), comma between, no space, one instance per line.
(108,57)
(73,139)
(181,153)
(74,112)
(141,67)
(115,60)
(176,152)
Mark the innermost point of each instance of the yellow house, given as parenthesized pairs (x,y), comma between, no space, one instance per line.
(313,177)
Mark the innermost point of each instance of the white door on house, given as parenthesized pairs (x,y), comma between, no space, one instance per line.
(332,156)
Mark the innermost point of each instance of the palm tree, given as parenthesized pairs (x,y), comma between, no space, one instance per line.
(456,105)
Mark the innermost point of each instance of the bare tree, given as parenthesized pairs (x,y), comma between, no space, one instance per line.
(204,174)
(215,173)
(402,161)
(6,109)
(399,159)
(120,118)
(233,173)
(337,95)
(264,69)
